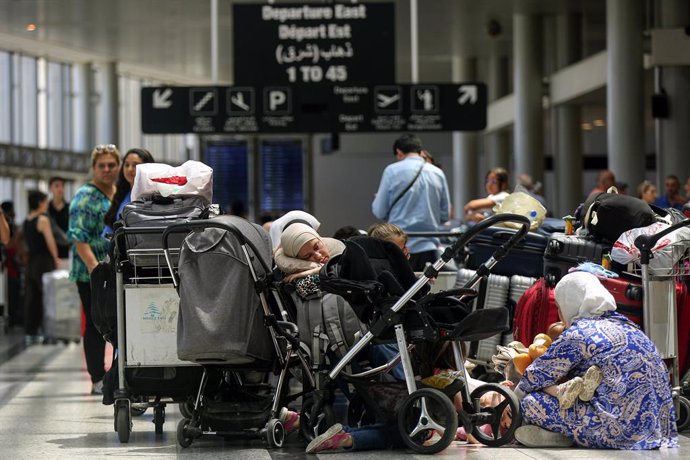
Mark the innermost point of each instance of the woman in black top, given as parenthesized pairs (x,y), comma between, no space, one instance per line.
(43,258)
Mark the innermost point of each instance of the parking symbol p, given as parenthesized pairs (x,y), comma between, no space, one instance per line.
(277,100)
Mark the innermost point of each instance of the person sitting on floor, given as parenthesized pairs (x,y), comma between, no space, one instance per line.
(633,406)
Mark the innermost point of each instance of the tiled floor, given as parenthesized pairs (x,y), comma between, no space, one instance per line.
(46,412)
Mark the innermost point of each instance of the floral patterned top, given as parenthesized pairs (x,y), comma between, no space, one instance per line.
(632,407)
(86,212)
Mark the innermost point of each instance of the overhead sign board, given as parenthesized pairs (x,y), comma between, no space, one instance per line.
(300,109)
(314,43)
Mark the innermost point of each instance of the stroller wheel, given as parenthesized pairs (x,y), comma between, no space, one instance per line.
(506,406)
(427,421)
(184,438)
(187,409)
(275,433)
(683,414)
(312,425)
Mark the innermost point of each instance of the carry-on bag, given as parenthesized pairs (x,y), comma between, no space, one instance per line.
(566,251)
(518,286)
(525,259)
(493,293)
(160,212)
(608,215)
(628,296)
(61,307)
(534,312)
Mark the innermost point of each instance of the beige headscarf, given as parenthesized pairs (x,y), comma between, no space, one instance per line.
(581,295)
(295,236)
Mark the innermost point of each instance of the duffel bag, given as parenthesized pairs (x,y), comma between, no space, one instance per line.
(608,215)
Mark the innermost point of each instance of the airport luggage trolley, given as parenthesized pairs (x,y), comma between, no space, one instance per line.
(149,372)
(660,321)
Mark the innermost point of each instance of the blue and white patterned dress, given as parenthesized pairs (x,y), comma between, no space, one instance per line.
(633,406)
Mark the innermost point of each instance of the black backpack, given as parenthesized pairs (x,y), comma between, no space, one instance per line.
(104,301)
(608,215)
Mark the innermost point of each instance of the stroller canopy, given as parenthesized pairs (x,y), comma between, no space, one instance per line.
(368,270)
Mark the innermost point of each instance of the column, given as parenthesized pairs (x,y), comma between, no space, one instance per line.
(82,108)
(674,157)
(108,110)
(528,129)
(496,144)
(465,183)
(625,117)
(567,132)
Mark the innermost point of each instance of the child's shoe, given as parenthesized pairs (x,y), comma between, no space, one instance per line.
(568,392)
(334,438)
(591,381)
(289,419)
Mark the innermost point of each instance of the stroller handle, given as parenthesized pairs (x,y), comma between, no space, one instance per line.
(454,249)
(645,243)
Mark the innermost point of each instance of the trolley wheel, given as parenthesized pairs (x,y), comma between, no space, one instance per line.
(159,418)
(123,421)
(184,438)
(275,433)
(423,414)
(312,425)
(508,407)
(683,414)
(187,409)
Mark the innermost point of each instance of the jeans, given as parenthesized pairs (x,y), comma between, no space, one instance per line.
(381,353)
(375,437)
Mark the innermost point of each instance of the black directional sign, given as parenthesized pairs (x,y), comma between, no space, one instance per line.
(314,43)
(299,109)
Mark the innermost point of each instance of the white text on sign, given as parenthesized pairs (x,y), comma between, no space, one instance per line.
(315,74)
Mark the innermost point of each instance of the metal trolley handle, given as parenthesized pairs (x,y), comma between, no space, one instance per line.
(645,243)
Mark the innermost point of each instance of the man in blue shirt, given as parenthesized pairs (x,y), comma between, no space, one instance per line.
(413,194)
(672,198)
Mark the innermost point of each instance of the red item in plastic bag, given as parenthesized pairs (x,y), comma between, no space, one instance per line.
(174,180)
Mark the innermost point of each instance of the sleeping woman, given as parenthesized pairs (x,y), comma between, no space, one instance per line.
(301,255)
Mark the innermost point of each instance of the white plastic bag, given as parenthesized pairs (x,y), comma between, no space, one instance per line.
(190,178)
(524,205)
(666,252)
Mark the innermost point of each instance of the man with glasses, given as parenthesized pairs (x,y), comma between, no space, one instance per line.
(86,225)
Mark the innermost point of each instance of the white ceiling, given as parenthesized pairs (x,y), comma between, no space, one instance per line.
(170,39)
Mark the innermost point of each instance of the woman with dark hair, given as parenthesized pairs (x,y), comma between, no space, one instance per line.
(43,258)
(125,181)
(496,185)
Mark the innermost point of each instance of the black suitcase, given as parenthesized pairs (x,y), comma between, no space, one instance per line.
(525,259)
(160,212)
(566,251)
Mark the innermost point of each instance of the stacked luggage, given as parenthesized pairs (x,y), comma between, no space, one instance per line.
(144,325)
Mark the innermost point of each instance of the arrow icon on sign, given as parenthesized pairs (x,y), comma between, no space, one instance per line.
(468,93)
(161,99)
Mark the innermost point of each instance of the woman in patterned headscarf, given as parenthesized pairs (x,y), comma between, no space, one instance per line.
(631,409)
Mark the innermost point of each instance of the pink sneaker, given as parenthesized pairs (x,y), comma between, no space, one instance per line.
(334,438)
(289,419)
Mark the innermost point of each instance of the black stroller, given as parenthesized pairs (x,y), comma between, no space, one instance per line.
(386,295)
(227,325)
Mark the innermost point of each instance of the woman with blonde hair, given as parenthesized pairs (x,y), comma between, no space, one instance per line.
(646,191)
